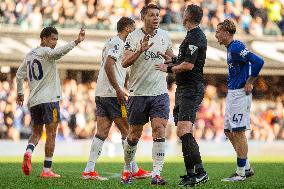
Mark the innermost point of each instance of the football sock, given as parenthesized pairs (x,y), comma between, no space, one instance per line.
(30,148)
(95,152)
(241,166)
(134,166)
(191,154)
(47,164)
(247,164)
(129,153)
(158,156)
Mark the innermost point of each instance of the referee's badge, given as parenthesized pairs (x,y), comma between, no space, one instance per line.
(192,49)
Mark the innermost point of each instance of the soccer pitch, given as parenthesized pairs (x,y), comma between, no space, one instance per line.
(269,173)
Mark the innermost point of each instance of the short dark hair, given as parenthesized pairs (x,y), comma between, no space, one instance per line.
(145,9)
(195,13)
(124,22)
(47,31)
(228,25)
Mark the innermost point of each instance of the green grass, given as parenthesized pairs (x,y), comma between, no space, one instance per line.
(269,173)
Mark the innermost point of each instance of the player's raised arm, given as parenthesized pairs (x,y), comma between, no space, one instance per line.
(20,76)
(57,53)
(130,55)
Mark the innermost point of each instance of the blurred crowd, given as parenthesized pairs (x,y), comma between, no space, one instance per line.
(255,17)
(78,120)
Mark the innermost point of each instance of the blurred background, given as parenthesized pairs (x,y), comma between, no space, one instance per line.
(260,24)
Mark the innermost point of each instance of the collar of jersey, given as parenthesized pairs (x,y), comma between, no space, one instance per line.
(155,32)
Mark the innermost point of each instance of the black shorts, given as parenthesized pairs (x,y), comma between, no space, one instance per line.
(45,113)
(108,107)
(187,101)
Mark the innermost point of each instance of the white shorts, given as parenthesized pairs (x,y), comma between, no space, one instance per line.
(237,112)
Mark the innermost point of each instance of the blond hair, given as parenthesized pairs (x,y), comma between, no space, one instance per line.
(228,25)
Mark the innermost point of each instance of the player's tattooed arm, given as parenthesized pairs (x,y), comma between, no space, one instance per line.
(121,95)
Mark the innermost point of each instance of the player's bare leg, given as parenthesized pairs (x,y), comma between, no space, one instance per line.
(137,172)
(130,147)
(49,150)
(33,141)
(103,127)
(239,142)
(158,150)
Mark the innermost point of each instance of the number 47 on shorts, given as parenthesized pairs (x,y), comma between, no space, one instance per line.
(237,118)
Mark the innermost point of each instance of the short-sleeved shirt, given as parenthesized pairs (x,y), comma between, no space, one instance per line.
(40,68)
(144,79)
(115,49)
(192,50)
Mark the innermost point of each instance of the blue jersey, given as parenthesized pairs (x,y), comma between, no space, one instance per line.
(242,64)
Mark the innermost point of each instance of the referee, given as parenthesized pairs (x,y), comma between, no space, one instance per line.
(188,67)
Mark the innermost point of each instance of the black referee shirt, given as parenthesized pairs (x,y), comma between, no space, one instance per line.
(192,50)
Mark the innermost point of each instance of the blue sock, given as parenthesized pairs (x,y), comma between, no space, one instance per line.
(241,162)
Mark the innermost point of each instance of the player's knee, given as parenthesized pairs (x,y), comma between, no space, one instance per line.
(102,134)
(182,131)
(134,136)
(159,131)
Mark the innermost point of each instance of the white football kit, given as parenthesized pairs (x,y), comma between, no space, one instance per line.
(39,66)
(144,79)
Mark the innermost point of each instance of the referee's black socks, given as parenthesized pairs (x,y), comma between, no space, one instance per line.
(191,154)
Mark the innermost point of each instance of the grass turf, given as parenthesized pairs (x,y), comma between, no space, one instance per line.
(269,173)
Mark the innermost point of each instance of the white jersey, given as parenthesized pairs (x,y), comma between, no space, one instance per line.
(115,49)
(39,67)
(144,79)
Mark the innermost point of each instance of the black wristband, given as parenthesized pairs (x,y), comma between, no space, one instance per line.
(174,59)
(169,69)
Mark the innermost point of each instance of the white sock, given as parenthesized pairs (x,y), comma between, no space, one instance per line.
(158,155)
(241,171)
(129,153)
(95,152)
(247,164)
(134,166)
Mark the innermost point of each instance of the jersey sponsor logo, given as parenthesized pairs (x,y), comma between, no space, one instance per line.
(151,55)
(192,49)
(244,52)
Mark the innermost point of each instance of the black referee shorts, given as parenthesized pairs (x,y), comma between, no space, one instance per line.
(187,101)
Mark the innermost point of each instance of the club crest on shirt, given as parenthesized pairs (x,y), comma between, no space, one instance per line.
(127,45)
